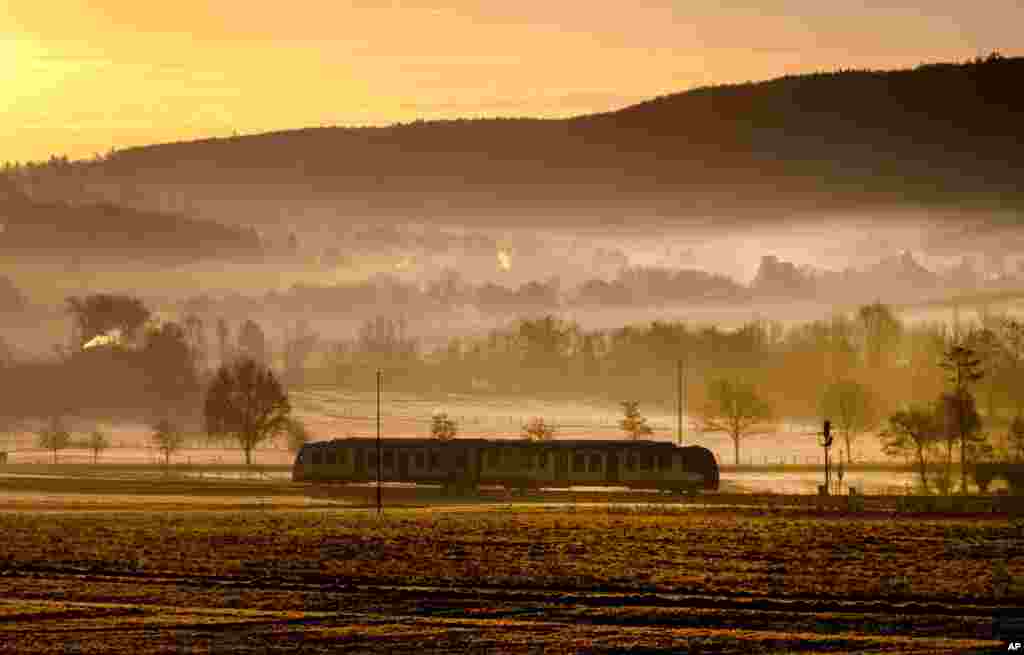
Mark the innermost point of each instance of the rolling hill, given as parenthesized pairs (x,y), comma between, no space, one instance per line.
(939,135)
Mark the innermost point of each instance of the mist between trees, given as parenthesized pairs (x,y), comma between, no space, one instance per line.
(858,369)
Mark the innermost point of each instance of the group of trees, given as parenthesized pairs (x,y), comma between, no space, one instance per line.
(155,371)
(55,436)
(868,370)
(953,421)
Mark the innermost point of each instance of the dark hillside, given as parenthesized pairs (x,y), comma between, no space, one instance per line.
(945,134)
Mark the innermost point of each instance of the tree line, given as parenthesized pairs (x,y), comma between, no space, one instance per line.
(866,371)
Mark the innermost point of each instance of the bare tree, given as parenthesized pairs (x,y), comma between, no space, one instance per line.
(735,408)
(246,402)
(97,443)
(54,437)
(851,407)
(964,369)
(633,423)
(168,439)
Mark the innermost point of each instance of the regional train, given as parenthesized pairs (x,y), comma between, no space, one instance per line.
(463,465)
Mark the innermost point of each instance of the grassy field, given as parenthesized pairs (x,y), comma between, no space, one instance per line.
(194,571)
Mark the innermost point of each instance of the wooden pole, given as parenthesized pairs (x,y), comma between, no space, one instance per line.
(380,506)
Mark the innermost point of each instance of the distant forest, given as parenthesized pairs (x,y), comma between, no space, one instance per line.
(939,134)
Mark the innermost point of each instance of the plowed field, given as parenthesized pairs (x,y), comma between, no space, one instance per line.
(498,579)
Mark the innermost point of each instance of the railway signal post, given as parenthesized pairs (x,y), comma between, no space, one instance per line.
(826,443)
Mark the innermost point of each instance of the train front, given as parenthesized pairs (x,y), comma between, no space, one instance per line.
(701,460)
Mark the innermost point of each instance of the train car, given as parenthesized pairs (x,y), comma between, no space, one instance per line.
(465,464)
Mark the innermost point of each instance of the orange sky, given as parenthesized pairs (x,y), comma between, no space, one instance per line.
(78,77)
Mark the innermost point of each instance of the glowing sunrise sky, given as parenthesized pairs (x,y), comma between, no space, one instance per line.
(78,77)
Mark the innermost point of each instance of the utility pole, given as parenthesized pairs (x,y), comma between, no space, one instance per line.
(380,506)
(679,401)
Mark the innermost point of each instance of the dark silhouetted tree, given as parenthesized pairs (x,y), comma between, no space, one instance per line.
(911,433)
(960,425)
(963,368)
(245,402)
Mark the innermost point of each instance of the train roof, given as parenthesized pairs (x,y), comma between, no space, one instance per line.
(424,442)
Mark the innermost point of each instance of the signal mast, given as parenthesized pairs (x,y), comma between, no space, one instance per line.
(825,441)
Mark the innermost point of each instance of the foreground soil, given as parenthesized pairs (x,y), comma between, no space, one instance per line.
(279,577)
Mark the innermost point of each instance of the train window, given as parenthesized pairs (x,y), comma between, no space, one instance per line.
(646,462)
(664,462)
(329,458)
(543,463)
(630,462)
(595,463)
(389,459)
(358,459)
(421,460)
(435,460)
(460,460)
(343,457)
(494,458)
(579,463)
(318,457)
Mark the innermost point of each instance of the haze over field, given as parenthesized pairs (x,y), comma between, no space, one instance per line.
(658,209)
(687,327)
